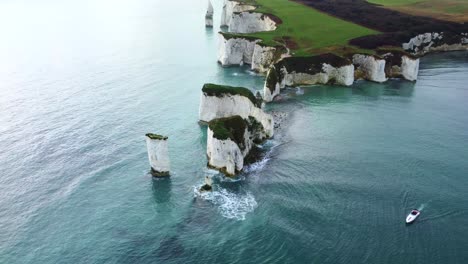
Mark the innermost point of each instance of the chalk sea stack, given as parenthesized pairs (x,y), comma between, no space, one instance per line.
(230,141)
(209,15)
(220,101)
(158,154)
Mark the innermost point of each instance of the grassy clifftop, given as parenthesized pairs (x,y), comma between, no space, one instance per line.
(311,27)
(305,30)
(211,89)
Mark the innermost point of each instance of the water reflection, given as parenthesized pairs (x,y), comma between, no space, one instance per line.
(161,188)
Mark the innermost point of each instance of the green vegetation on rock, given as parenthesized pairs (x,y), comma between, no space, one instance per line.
(156,136)
(220,90)
(229,128)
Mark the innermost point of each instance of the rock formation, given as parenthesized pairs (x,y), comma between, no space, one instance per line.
(400,64)
(435,42)
(208,186)
(219,101)
(369,67)
(158,154)
(239,50)
(321,69)
(231,7)
(235,50)
(209,15)
(230,140)
(251,22)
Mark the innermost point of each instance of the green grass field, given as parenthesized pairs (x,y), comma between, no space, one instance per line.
(450,10)
(308,31)
(394,2)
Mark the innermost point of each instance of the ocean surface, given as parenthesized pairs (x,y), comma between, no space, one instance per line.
(81,82)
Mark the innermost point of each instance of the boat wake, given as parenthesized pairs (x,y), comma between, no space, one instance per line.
(230,205)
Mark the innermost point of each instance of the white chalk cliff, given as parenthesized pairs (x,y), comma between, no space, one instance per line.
(251,22)
(236,50)
(158,154)
(401,65)
(225,154)
(370,67)
(209,15)
(230,140)
(265,56)
(435,42)
(308,73)
(227,105)
(231,7)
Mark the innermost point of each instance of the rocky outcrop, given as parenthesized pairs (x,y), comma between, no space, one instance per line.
(231,7)
(218,101)
(369,67)
(230,140)
(321,69)
(239,50)
(435,42)
(209,15)
(251,22)
(400,64)
(233,50)
(158,154)
(208,186)
(264,56)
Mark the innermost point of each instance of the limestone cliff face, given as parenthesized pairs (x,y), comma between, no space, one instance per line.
(401,65)
(158,154)
(225,154)
(265,56)
(214,105)
(230,141)
(293,71)
(231,7)
(369,67)
(234,50)
(435,42)
(209,15)
(251,22)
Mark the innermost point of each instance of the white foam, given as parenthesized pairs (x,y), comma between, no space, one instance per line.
(299,91)
(230,205)
(257,166)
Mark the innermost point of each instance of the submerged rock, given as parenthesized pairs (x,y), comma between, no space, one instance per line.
(221,101)
(158,154)
(230,141)
(207,187)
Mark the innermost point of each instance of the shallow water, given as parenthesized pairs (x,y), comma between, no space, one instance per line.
(81,82)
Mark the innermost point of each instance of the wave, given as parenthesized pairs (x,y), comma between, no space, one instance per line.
(230,205)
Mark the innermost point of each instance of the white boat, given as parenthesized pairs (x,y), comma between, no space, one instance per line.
(412,216)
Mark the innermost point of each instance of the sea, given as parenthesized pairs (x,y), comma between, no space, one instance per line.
(82,82)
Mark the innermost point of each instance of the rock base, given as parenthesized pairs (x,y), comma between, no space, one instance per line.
(159,174)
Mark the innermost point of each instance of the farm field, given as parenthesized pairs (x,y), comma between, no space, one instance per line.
(450,10)
(308,31)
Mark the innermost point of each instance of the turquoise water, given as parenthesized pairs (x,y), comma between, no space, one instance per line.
(81,82)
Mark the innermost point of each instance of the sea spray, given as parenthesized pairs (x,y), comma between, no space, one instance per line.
(230,205)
